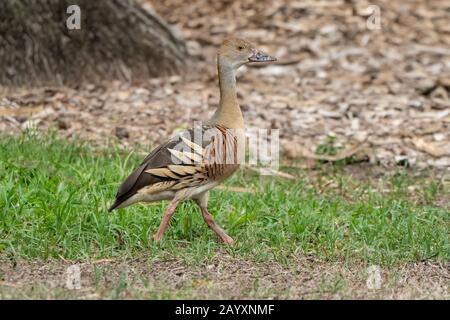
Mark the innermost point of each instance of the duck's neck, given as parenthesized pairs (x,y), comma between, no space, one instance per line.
(229,113)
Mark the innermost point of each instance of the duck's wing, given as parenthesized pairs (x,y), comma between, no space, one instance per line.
(183,161)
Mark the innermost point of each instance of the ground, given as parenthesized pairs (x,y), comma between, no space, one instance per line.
(316,236)
(377,100)
(224,277)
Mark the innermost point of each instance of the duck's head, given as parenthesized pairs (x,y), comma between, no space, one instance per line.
(236,52)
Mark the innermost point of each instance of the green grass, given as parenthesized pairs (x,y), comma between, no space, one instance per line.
(54,195)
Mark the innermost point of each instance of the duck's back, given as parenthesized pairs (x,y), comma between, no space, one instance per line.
(196,158)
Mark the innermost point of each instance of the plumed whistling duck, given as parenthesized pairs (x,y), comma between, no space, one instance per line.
(186,167)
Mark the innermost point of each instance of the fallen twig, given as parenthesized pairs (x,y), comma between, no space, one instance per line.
(237,189)
(271,172)
(430,148)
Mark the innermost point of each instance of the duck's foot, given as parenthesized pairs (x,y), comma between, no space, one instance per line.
(215,227)
(226,239)
(156,237)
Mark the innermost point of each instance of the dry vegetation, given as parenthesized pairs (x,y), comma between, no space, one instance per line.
(223,277)
(386,89)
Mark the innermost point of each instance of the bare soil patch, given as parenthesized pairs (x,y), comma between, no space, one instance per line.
(224,277)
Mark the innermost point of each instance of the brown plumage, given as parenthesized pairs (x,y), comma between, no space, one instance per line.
(188,165)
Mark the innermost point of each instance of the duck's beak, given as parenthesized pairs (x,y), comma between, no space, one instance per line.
(259,56)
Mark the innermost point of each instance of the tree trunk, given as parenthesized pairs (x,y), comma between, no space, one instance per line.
(117,39)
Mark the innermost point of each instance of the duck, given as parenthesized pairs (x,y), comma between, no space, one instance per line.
(191,163)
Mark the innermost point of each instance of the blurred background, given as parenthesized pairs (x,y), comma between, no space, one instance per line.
(363,80)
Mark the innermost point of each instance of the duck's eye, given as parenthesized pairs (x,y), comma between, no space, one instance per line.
(241,48)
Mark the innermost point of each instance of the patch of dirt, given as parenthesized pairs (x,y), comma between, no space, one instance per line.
(225,277)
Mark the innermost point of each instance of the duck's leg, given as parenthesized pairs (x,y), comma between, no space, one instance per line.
(202,202)
(165,220)
(215,227)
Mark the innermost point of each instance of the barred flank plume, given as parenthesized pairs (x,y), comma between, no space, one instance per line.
(169,169)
